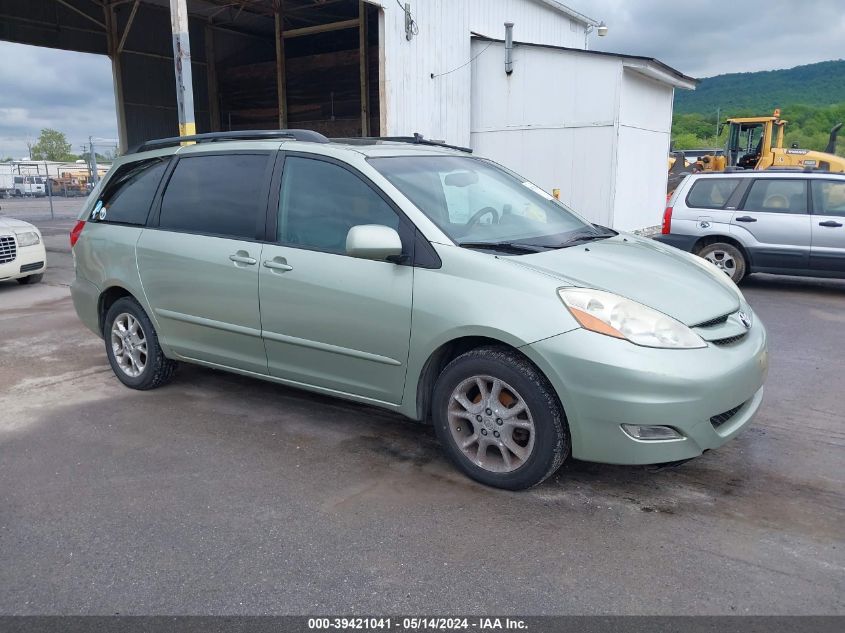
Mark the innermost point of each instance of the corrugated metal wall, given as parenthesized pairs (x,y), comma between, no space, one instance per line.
(439,106)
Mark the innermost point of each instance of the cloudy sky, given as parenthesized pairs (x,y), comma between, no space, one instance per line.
(73,91)
(713,37)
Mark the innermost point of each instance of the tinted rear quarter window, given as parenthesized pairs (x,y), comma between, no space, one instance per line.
(711,193)
(777,196)
(129,193)
(216,195)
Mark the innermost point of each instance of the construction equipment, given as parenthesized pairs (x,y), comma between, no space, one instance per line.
(757,143)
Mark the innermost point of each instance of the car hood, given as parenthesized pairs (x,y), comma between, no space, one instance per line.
(10,224)
(661,277)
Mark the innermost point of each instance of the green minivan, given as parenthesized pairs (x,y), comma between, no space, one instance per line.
(414,276)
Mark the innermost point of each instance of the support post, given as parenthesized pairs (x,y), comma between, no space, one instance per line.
(113,46)
(182,67)
(281,80)
(364,68)
(211,71)
(95,171)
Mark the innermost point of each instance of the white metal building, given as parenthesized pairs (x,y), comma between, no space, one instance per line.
(594,125)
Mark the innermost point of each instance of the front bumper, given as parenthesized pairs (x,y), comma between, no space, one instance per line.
(25,262)
(605,382)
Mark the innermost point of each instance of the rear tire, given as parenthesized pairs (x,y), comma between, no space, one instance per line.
(132,347)
(727,258)
(499,420)
(31,279)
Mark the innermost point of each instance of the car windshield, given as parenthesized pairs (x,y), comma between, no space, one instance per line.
(478,203)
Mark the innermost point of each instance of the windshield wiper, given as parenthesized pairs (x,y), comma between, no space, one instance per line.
(588,237)
(503,246)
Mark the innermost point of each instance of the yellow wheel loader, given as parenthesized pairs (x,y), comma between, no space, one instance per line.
(757,143)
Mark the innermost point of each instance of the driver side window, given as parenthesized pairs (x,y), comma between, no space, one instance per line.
(321,201)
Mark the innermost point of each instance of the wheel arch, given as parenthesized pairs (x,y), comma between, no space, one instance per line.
(445,354)
(107,299)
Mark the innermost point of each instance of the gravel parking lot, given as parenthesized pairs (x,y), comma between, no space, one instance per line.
(222,495)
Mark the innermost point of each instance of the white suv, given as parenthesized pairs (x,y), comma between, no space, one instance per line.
(782,222)
(22,253)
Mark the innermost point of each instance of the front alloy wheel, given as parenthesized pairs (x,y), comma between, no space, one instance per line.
(498,418)
(491,424)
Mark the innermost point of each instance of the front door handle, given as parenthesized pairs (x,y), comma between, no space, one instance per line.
(242,258)
(279,264)
(830,223)
(746,218)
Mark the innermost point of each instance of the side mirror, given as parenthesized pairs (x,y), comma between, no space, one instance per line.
(373,241)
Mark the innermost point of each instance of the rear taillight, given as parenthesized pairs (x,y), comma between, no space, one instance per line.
(75,232)
(667,221)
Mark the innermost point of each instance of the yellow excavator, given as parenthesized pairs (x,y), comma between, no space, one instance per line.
(757,143)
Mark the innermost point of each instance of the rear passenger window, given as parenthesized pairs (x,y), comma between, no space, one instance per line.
(216,195)
(777,196)
(711,193)
(129,193)
(829,197)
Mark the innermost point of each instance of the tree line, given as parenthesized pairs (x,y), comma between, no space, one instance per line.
(808,127)
(53,145)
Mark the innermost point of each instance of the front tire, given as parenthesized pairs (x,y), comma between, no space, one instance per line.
(727,258)
(132,347)
(31,279)
(499,420)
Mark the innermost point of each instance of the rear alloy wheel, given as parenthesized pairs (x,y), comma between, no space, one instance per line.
(499,419)
(132,347)
(727,258)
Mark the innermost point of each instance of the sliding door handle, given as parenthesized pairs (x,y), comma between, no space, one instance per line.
(273,264)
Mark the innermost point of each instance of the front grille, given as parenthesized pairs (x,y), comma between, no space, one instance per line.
(719,420)
(712,322)
(730,339)
(33,266)
(8,249)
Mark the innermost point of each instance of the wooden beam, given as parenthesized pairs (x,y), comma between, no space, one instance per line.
(117,74)
(128,26)
(64,3)
(363,67)
(281,85)
(322,28)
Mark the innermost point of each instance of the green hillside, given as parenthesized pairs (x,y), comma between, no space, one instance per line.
(811,98)
(818,84)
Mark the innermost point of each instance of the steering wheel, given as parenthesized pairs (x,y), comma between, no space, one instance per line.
(476,217)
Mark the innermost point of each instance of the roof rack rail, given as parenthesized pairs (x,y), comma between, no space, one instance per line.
(419,139)
(237,135)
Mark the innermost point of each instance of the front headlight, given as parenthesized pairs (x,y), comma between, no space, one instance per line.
(616,316)
(29,238)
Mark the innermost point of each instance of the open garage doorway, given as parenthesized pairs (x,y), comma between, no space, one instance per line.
(327,64)
(256,64)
